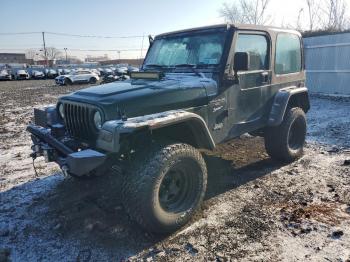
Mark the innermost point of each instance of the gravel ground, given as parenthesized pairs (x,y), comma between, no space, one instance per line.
(255,209)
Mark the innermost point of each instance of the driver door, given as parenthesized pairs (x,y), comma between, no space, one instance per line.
(248,97)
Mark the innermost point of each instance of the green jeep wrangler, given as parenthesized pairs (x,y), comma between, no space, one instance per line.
(197,88)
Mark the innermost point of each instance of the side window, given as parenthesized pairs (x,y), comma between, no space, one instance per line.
(288,54)
(258,49)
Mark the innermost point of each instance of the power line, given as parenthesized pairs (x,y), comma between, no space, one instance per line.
(21,33)
(105,50)
(93,36)
(73,35)
(83,50)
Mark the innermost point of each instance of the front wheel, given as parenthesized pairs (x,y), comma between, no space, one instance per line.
(286,141)
(67,82)
(165,187)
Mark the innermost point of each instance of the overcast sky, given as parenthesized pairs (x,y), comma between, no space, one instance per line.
(113,18)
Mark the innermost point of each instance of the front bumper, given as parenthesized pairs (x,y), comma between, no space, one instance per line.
(59,81)
(22,77)
(78,163)
(5,77)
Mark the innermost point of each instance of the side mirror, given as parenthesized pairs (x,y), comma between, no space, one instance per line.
(241,61)
(151,40)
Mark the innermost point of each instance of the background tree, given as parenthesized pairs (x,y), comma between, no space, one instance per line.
(31,53)
(246,12)
(314,13)
(326,15)
(51,53)
(336,16)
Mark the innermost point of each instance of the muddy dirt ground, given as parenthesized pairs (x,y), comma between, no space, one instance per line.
(255,209)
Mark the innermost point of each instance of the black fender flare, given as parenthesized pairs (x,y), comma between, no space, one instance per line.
(152,122)
(294,96)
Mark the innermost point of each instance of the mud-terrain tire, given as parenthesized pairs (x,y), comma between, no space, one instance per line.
(92,80)
(286,142)
(165,186)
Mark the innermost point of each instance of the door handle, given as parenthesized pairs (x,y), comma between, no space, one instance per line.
(265,77)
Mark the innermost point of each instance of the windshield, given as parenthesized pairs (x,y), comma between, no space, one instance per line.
(195,50)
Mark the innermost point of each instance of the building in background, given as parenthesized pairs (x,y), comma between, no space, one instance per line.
(90,58)
(70,60)
(327,60)
(9,58)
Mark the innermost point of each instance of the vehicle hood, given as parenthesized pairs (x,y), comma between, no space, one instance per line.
(141,97)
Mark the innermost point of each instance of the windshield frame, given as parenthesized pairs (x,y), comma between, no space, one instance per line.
(228,35)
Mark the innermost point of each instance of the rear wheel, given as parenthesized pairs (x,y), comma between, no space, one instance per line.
(286,141)
(92,80)
(165,187)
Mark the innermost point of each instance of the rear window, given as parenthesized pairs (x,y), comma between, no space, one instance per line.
(288,54)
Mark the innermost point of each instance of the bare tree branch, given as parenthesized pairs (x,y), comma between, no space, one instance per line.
(246,12)
(51,53)
(337,17)
(31,53)
(330,15)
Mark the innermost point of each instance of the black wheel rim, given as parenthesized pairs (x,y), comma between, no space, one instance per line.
(296,136)
(177,192)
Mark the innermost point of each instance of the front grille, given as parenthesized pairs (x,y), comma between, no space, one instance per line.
(78,120)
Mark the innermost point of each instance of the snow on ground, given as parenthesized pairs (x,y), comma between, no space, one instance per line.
(255,209)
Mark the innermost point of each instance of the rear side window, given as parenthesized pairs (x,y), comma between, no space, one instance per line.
(258,49)
(288,54)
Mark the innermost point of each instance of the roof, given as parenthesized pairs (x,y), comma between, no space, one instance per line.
(324,33)
(236,26)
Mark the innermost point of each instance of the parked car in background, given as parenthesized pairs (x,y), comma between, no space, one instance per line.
(36,74)
(100,69)
(78,76)
(109,79)
(22,74)
(51,73)
(6,74)
(66,71)
(105,71)
(132,69)
(95,71)
(114,78)
(60,71)
(121,71)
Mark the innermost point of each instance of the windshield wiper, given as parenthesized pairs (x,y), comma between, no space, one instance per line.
(154,65)
(190,66)
(185,65)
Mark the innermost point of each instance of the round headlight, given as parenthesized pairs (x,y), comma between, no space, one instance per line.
(98,120)
(61,110)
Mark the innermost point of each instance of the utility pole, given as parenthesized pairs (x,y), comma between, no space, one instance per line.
(65,50)
(143,38)
(45,53)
